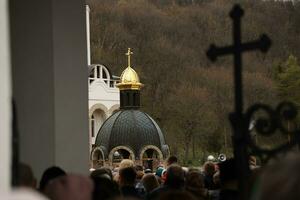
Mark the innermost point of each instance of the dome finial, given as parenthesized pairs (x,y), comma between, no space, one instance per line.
(128,54)
(129,79)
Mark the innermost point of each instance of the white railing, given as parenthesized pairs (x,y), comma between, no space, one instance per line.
(109,82)
(101,73)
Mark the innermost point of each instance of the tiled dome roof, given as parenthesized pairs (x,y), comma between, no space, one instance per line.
(132,128)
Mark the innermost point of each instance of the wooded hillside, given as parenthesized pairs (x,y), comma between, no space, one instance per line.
(184,92)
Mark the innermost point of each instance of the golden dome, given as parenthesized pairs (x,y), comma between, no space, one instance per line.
(129,79)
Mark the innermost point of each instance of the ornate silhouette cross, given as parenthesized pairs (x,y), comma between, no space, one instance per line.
(237,49)
(238,121)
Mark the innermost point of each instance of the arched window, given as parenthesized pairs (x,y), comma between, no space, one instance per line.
(151,157)
(121,154)
(97,159)
(97,119)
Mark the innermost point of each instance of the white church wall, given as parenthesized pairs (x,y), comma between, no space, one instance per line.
(103,101)
(99,94)
(101,109)
(5,99)
(103,97)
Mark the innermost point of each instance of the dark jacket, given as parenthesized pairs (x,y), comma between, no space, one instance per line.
(228,195)
(155,194)
(130,191)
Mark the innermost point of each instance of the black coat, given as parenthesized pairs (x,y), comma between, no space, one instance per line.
(130,191)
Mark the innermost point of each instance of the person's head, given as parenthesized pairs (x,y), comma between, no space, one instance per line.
(172,160)
(105,188)
(194,179)
(26,177)
(194,183)
(211,158)
(150,182)
(174,176)
(70,187)
(126,163)
(102,172)
(139,172)
(139,168)
(127,176)
(209,168)
(159,171)
(50,174)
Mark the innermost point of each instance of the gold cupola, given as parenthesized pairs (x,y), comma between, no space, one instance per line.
(129,79)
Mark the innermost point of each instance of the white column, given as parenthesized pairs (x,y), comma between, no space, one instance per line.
(48,37)
(5,99)
(88,42)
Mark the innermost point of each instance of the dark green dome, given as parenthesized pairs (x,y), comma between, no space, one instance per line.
(133,129)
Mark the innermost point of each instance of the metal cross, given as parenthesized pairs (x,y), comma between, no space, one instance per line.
(128,54)
(240,127)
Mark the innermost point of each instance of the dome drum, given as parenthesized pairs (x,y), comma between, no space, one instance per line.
(129,99)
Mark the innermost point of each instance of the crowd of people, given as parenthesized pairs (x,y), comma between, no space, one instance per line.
(212,181)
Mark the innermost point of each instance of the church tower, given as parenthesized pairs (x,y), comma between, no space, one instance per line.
(129,87)
(129,133)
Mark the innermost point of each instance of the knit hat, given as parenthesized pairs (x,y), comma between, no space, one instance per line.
(159,171)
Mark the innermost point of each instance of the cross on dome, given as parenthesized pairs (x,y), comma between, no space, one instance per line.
(129,79)
(129,53)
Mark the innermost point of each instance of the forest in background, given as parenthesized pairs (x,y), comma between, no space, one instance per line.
(188,96)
